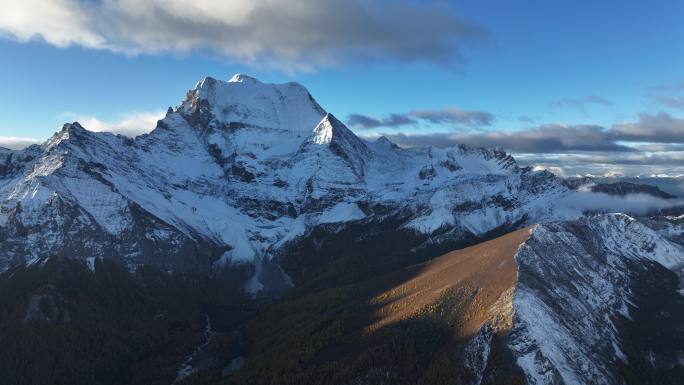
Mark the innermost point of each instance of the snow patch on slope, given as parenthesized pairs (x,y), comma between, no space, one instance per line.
(342,212)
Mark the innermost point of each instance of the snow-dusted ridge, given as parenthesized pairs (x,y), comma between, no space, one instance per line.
(575,278)
(237,170)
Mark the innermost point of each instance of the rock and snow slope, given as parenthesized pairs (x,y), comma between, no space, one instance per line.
(586,301)
(239,169)
(579,284)
(564,297)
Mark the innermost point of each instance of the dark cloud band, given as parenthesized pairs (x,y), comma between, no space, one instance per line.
(652,144)
(452,116)
(543,139)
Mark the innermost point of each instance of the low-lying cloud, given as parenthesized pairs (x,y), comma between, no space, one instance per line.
(637,204)
(289,35)
(132,124)
(16,142)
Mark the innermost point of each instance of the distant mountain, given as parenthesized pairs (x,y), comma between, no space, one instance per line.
(673,185)
(617,188)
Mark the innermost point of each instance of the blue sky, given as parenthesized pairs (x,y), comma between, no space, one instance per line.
(606,74)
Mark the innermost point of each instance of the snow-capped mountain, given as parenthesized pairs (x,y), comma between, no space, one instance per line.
(260,180)
(238,170)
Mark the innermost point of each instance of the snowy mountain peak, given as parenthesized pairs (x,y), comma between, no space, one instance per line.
(246,102)
(330,131)
(241,78)
(323,133)
(384,144)
(333,135)
(74,127)
(72,132)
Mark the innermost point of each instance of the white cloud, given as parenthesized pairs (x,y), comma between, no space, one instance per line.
(552,169)
(131,124)
(289,35)
(632,203)
(58,22)
(17,142)
(581,102)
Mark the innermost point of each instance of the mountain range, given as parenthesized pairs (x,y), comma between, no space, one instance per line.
(341,260)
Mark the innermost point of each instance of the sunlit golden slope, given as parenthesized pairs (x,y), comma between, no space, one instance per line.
(477,283)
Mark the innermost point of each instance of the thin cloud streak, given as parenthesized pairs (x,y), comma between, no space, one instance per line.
(581,103)
(456,115)
(367,122)
(676,102)
(668,95)
(450,115)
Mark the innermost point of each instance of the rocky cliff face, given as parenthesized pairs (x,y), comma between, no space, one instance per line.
(584,288)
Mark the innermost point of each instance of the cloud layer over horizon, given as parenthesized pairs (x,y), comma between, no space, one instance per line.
(17,142)
(653,144)
(130,124)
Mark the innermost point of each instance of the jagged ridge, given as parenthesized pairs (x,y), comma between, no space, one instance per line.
(239,169)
